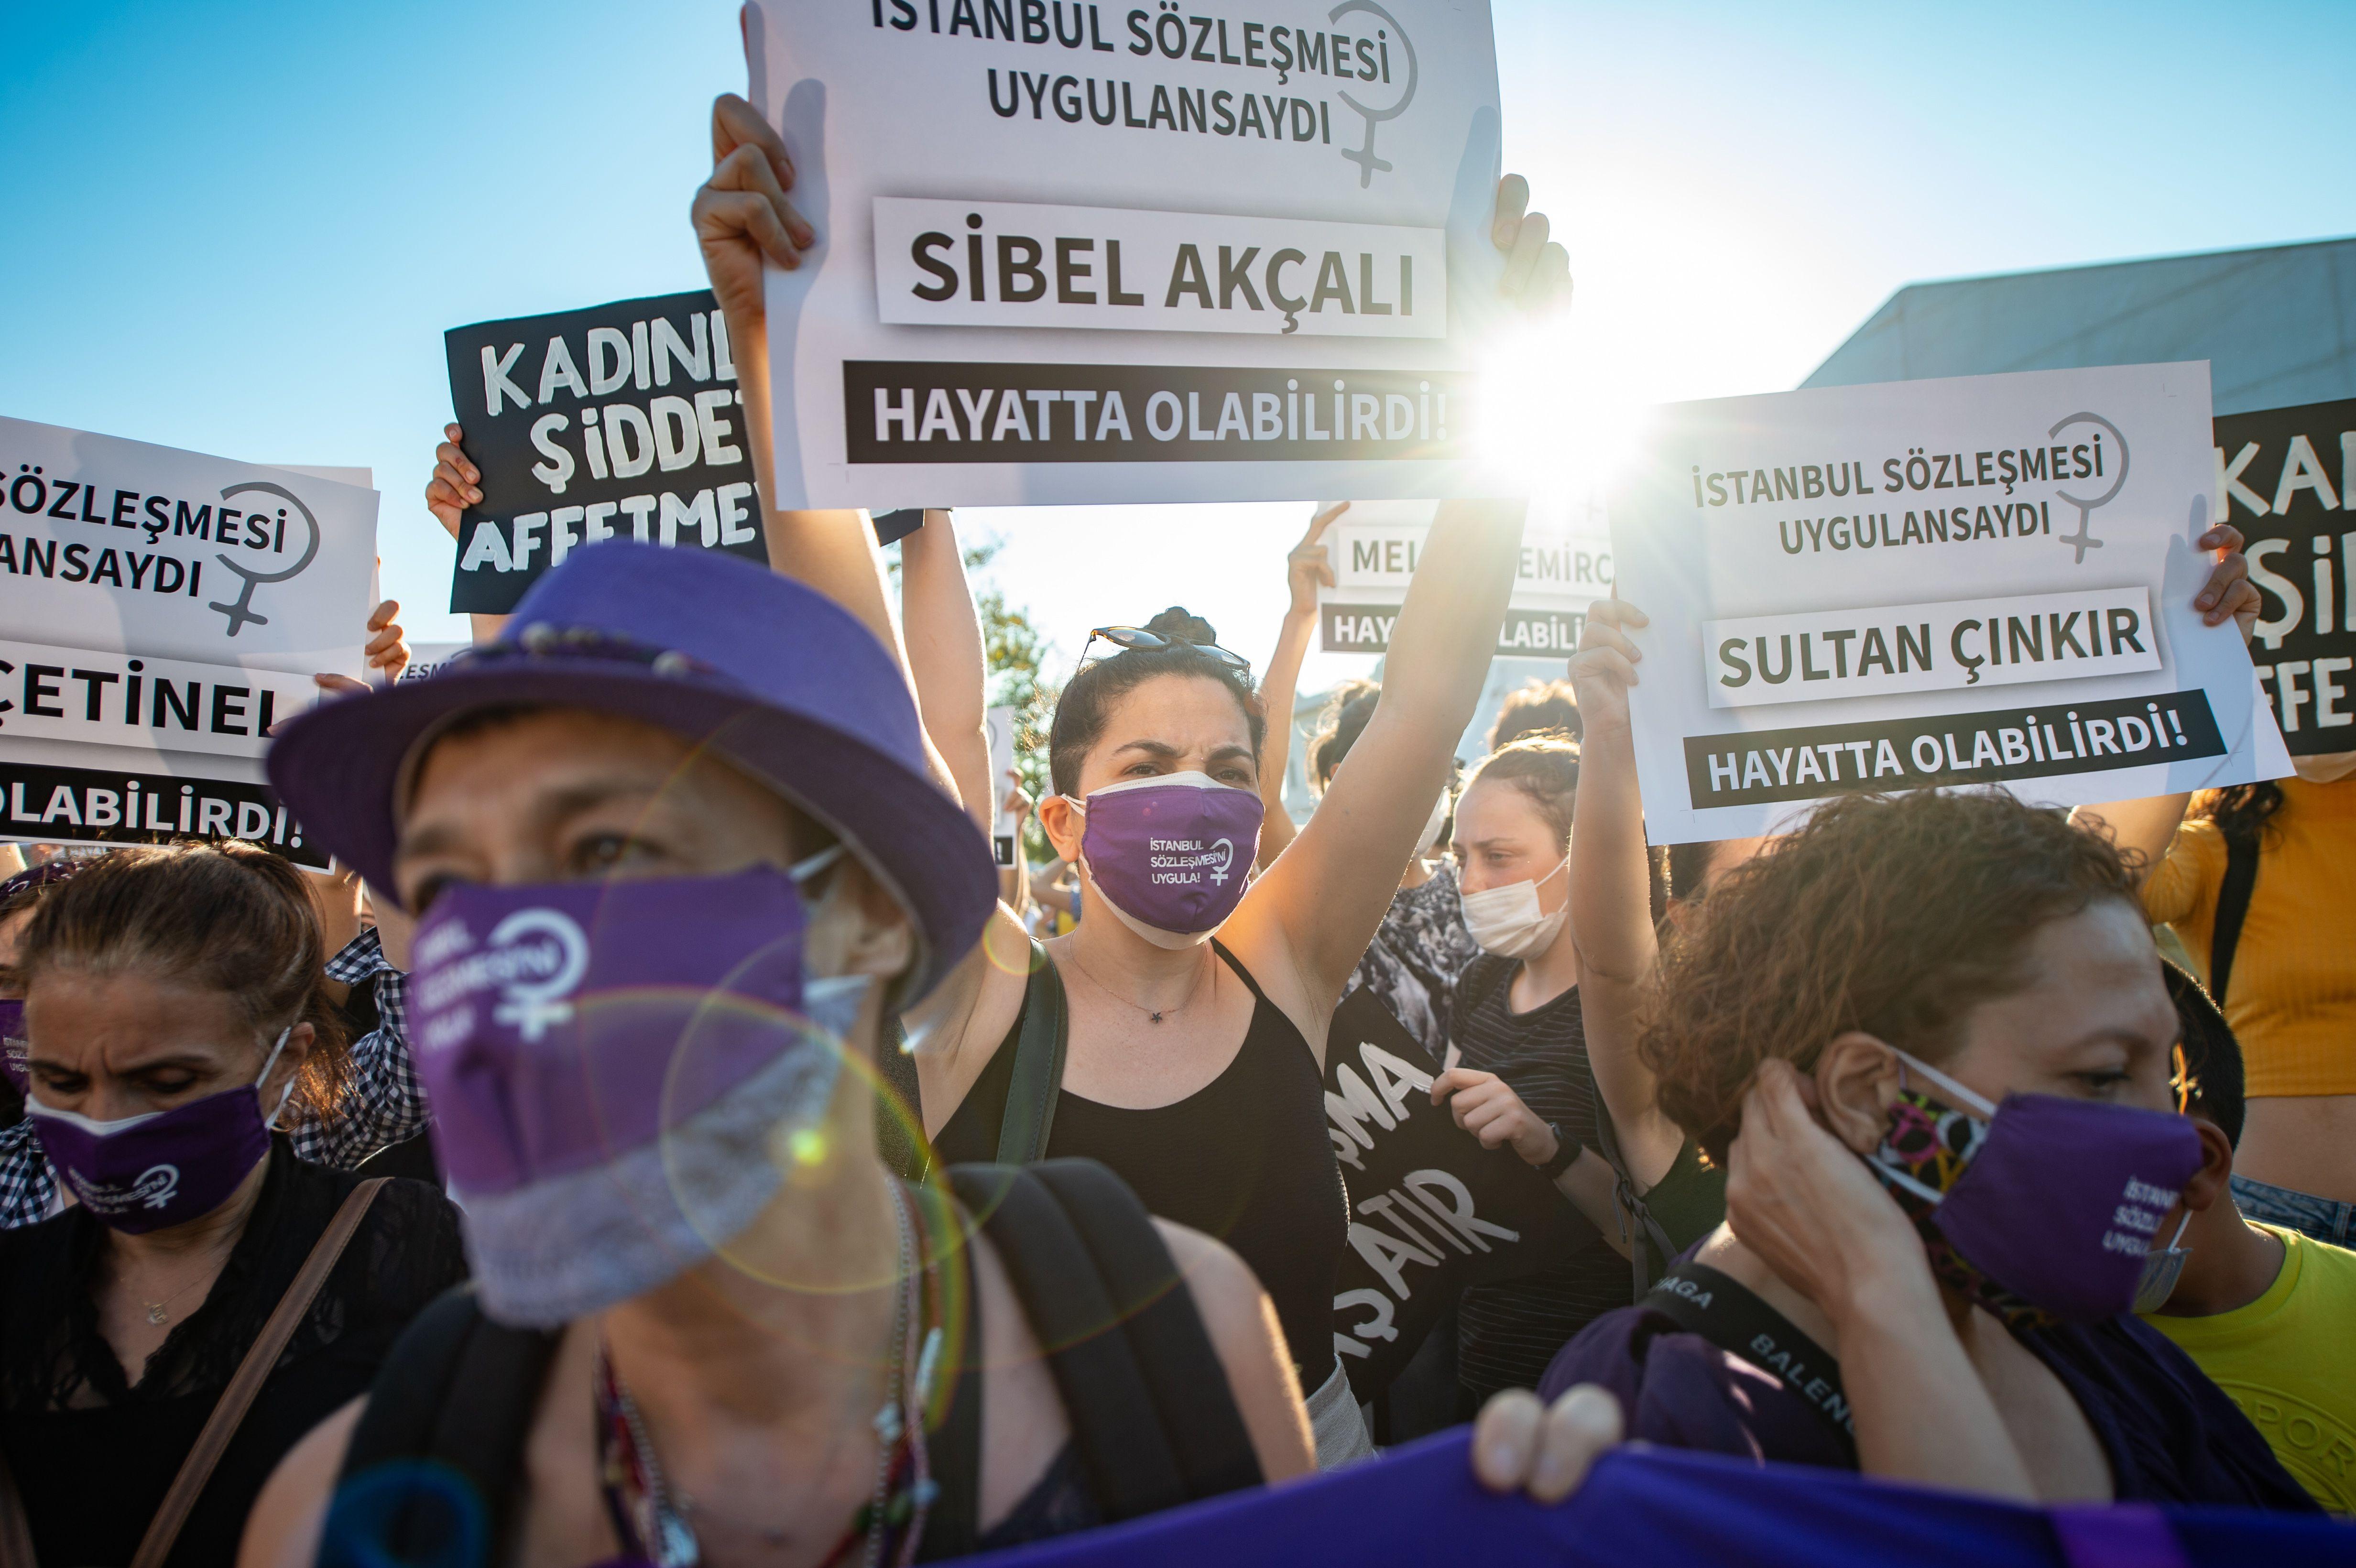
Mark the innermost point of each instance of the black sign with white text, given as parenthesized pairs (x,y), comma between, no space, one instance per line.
(112,805)
(618,421)
(1993,746)
(897,411)
(2283,478)
(1431,1211)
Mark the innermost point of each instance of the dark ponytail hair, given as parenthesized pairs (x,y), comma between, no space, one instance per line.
(1344,719)
(2240,811)
(1088,695)
(223,915)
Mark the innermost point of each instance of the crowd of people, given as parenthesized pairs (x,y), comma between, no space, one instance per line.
(666,1136)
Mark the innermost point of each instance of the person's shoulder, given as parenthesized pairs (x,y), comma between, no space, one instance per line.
(2323,1268)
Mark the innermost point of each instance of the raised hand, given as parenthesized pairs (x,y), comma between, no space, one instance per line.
(1307,566)
(387,645)
(456,482)
(741,214)
(1537,269)
(2229,591)
(1605,667)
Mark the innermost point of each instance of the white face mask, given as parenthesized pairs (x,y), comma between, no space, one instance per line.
(1430,834)
(2162,1267)
(1505,921)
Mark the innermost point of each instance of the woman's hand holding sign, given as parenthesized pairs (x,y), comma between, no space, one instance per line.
(2227,593)
(1537,269)
(742,215)
(1486,1106)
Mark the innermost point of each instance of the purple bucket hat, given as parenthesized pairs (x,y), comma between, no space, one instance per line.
(780,680)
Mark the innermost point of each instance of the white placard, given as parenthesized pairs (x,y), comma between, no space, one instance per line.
(163,607)
(1840,579)
(1131,255)
(1374,547)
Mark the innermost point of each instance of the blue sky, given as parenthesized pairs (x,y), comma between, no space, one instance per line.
(242,228)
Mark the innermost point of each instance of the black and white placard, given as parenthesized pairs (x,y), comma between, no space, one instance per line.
(159,611)
(1372,549)
(1128,254)
(616,421)
(1431,1211)
(1979,580)
(2283,478)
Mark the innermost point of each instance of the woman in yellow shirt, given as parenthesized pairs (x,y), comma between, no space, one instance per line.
(2286,977)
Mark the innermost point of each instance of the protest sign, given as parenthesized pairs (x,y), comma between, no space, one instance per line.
(1980,581)
(1004,824)
(2283,478)
(1128,254)
(1431,1210)
(616,421)
(424,659)
(1565,566)
(162,610)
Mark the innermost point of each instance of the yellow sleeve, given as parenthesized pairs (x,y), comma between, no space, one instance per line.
(2185,881)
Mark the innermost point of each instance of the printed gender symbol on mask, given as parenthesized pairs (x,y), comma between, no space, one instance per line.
(2083,539)
(243,610)
(531,995)
(1364,156)
(1227,861)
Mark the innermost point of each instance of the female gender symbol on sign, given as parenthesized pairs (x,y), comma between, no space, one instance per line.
(2083,539)
(1364,156)
(243,611)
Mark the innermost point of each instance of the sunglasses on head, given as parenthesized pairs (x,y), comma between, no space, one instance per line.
(1125,638)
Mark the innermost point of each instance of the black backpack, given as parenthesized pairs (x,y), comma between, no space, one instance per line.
(1153,1421)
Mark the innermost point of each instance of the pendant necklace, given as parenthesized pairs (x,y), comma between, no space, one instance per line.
(1153,1015)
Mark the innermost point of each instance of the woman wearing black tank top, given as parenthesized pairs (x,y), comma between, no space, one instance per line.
(1194,1066)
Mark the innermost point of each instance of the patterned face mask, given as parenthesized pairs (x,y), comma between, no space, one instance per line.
(2042,1210)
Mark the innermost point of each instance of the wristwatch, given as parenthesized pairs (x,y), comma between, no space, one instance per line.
(1567,1150)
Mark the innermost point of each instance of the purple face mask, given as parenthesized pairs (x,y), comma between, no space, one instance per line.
(615,1069)
(147,1173)
(14,1049)
(1170,855)
(2043,1207)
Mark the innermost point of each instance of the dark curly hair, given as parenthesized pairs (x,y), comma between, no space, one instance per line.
(1895,915)
(1088,695)
(221,915)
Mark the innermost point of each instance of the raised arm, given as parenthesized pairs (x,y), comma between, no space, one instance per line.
(1319,905)
(1611,893)
(945,660)
(743,219)
(1279,683)
(454,486)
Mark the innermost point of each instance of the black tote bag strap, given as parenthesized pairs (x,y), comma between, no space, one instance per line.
(1638,1220)
(1038,1075)
(2232,909)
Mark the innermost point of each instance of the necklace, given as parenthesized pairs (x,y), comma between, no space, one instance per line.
(1153,1015)
(159,1311)
(651,1517)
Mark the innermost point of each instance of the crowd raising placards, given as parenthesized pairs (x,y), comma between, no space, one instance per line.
(672,1107)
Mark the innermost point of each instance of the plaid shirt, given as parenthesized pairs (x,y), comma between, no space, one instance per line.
(383,1103)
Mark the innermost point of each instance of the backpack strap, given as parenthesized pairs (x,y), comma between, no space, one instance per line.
(1164,1327)
(1038,1075)
(457,1390)
(1636,1222)
(1147,1398)
(2232,909)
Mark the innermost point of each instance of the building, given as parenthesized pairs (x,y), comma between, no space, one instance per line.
(2278,324)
